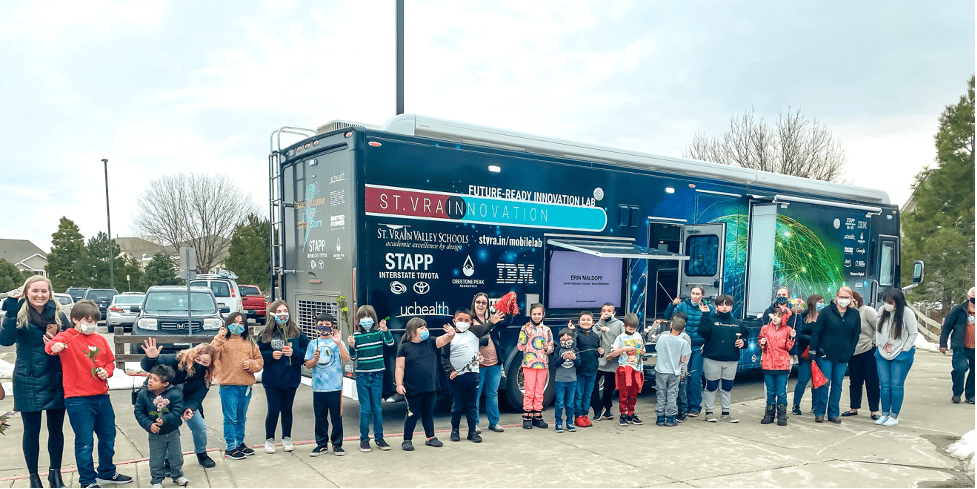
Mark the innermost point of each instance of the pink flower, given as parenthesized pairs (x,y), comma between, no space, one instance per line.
(160,402)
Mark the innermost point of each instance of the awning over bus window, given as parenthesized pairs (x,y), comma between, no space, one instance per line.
(610,249)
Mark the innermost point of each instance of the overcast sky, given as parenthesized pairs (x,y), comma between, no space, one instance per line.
(165,87)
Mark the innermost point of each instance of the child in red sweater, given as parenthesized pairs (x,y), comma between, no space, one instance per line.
(776,340)
(87,362)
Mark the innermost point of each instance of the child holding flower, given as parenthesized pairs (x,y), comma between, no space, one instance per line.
(158,409)
(236,360)
(87,362)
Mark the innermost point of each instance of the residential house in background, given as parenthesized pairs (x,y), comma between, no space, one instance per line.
(24,255)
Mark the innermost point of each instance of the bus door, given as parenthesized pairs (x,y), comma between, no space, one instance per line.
(705,245)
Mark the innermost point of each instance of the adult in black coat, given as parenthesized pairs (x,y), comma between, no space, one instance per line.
(194,371)
(958,328)
(31,319)
(833,340)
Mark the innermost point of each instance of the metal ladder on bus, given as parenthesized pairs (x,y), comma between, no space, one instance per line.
(276,207)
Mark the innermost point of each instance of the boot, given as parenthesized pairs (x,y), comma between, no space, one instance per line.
(660,420)
(527,420)
(538,420)
(54,478)
(36,480)
(670,421)
(204,460)
(768,414)
(781,415)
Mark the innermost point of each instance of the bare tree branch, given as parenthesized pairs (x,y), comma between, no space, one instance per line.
(193,210)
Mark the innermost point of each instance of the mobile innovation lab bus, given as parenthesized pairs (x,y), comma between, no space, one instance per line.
(418,215)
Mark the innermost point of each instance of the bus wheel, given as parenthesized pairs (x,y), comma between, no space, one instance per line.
(515,386)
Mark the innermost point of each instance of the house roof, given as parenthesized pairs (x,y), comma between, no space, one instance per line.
(18,250)
(137,247)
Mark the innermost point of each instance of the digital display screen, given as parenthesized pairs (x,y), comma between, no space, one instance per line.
(582,281)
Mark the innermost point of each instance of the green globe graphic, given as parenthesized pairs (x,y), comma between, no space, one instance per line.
(801,261)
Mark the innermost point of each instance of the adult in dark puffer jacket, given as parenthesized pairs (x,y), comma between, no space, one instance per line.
(32,319)
(834,337)
(194,370)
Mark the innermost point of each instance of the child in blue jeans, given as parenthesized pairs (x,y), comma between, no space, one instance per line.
(565,364)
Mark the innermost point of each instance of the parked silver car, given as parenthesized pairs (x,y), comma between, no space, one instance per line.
(120,311)
(66,302)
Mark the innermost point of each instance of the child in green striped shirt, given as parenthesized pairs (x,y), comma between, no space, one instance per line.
(366,347)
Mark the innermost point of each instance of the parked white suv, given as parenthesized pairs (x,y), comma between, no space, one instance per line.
(225,289)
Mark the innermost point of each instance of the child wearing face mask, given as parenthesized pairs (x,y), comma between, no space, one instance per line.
(587,341)
(87,362)
(280,342)
(366,347)
(325,356)
(629,351)
(536,343)
(565,362)
(460,359)
(236,360)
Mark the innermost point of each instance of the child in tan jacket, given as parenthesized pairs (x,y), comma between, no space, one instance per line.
(236,360)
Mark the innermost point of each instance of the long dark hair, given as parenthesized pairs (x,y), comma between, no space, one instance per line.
(895,296)
(229,320)
(475,317)
(812,306)
(412,325)
(291,330)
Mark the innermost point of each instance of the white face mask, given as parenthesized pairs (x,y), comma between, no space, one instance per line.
(844,302)
(889,307)
(462,326)
(87,328)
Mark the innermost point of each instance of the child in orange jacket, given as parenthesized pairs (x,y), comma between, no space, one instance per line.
(776,340)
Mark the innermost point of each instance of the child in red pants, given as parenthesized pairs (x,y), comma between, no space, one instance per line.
(536,343)
(629,350)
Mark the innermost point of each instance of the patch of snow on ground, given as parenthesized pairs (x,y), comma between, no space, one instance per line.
(964,448)
(923,344)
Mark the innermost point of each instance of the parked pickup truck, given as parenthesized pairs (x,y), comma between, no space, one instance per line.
(254,302)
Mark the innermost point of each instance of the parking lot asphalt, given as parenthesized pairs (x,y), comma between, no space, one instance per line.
(856,453)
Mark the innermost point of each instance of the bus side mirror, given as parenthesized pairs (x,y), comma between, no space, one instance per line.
(918,267)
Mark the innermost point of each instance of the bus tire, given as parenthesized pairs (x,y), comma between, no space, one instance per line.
(514,386)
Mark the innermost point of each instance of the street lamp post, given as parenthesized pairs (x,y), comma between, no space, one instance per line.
(108,217)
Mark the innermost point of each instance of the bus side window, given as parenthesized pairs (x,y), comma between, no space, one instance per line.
(885,264)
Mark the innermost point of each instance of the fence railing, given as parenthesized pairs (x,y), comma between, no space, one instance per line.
(121,357)
(928,327)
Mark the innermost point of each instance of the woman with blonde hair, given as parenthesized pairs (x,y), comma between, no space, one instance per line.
(194,369)
(32,318)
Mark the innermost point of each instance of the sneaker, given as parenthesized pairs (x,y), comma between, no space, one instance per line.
(181,481)
(891,421)
(496,428)
(729,418)
(270,445)
(681,417)
(157,485)
(623,420)
(407,446)
(474,436)
(116,478)
(634,419)
(381,444)
(478,430)
(882,420)
(455,435)
(670,421)
(234,454)
(338,451)
(434,442)
(94,484)
(570,427)
(246,450)
(955,399)
(970,400)
(365,446)
(693,414)
(204,460)
(607,414)
(287,444)
(710,418)
(835,420)
(586,422)
(796,410)
(319,450)
(559,426)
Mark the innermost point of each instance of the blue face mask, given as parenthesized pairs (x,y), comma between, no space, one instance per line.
(236,328)
(425,334)
(820,306)
(781,300)
(366,323)
(281,318)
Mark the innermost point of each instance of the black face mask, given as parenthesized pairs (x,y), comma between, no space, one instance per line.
(972,300)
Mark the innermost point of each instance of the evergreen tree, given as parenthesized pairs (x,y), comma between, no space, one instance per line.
(249,254)
(67,249)
(940,230)
(10,276)
(161,270)
(94,265)
(130,269)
